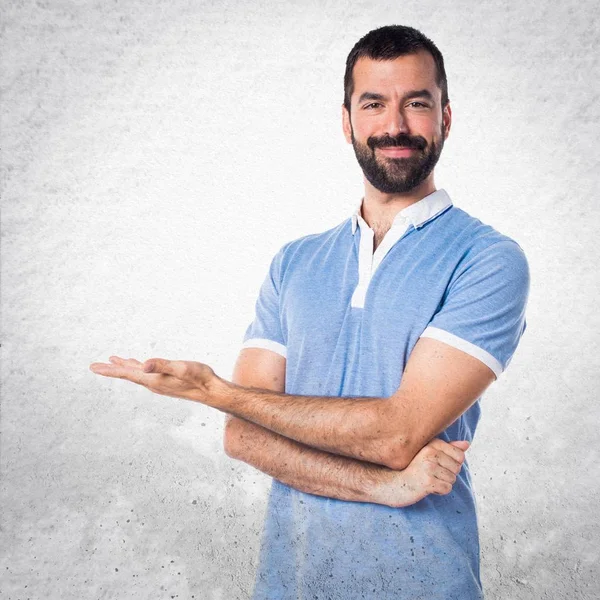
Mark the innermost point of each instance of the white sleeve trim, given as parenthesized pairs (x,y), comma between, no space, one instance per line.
(267,345)
(453,340)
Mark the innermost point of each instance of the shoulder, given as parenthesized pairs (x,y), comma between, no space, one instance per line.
(470,237)
(311,244)
(481,252)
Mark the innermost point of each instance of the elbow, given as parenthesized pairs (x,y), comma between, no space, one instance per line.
(228,447)
(230,437)
(399,454)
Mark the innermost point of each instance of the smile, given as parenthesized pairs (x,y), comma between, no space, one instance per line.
(396,151)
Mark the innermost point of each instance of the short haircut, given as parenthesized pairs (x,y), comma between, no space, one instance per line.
(387,43)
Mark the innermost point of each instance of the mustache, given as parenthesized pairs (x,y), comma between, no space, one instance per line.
(403,140)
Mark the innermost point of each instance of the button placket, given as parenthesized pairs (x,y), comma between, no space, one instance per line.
(369,261)
(396,231)
(365,255)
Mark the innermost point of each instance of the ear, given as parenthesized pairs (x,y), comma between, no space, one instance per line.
(346,124)
(447,120)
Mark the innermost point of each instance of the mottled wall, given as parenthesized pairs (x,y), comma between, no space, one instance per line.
(154,158)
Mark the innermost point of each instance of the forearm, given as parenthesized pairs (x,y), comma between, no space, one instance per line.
(307,469)
(355,427)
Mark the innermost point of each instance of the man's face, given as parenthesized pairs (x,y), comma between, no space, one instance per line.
(396,123)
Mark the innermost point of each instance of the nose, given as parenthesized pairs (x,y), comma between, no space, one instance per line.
(396,122)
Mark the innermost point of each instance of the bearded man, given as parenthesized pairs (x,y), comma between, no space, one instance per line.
(359,381)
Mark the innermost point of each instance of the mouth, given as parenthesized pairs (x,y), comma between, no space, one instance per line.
(396,151)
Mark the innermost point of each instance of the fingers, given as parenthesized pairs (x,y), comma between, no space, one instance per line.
(152,365)
(439,463)
(462,444)
(441,488)
(148,372)
(449,459)
(436,479)
(167,367)
(443,474)
(443,461)
(118,371)
(450,450)
(126,362)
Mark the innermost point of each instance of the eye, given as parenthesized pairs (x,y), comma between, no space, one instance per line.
(372,105)
(418,104)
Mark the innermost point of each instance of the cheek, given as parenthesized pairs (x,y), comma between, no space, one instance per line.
(426,127)
(364,130)
(366,124)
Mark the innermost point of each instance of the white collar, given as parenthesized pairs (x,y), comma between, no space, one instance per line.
(417,214)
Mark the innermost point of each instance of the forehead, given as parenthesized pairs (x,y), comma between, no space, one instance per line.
(412,71)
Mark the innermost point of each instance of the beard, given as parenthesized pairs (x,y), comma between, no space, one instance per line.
(397,175)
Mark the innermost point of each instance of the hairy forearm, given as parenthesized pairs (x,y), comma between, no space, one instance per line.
(355,427)
(304,468)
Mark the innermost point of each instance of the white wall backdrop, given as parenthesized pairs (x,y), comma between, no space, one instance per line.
(155,156)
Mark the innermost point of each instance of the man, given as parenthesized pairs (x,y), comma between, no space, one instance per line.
(370,340)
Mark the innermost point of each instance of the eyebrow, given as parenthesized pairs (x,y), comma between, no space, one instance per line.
(412,94)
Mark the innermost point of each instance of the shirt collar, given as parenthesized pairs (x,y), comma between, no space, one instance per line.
(416,214)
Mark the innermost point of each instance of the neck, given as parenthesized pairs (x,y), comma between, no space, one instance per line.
(379,209)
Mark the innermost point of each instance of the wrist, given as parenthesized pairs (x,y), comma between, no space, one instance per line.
(386,490)
(216,393)
(396,490)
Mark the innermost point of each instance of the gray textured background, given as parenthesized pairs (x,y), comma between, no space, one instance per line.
(154,158)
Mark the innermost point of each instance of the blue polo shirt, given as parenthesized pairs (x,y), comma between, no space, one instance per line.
(347,319)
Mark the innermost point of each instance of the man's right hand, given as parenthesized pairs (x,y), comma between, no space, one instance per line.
(433,470)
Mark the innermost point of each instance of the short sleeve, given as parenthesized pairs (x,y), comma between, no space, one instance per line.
(265,330)
(483,310)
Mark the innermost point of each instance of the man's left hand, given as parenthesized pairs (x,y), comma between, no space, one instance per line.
(176,378)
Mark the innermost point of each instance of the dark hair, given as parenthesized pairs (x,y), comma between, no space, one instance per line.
(387,43)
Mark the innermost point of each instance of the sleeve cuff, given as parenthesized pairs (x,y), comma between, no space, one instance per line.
(267,345)
(475,351)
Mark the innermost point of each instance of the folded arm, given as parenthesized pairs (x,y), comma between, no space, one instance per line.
(317,472)
(293,463)
(439,383)
(304,468)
